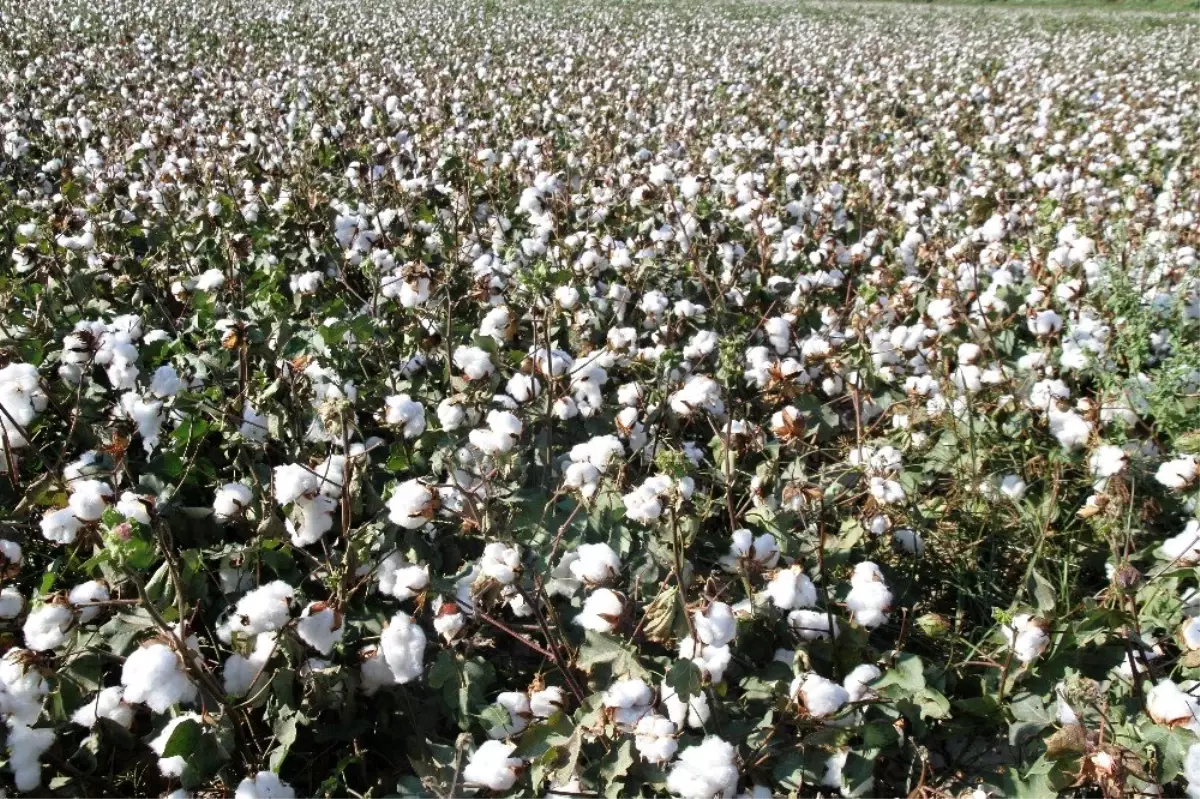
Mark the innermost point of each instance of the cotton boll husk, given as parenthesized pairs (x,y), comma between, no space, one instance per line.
(491,766)
(403,646)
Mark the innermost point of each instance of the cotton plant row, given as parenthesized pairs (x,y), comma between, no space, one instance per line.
(576,401)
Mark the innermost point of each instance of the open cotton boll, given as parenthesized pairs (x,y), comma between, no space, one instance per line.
(154,676)
(596,564)
(812,625)
(1071,430)
(310,519)
(172,766)
(11,602)
(403,646)
(501,434)
(869,599)
(500,562)
(10,552)
(147,414)
(1028,637)
(46,627)
(601,611)
(91,591)
(411,505)
(491,766)
(716,626)
(1108,461)
(628,700)
(232,500)
(253,426)
(745,548)
(545,703)
(791,588)
(165,382)
(293,481)
(402,411)
(700,393)
(1013,487)
(133,507)
(1178,473)
(320,627)
(705,771)
(88,499)
(448,620)
(264,785)
(1171,706)
(265,609)
(858,681)
(821,697)
(516,705)
(243,675)
(712,660)
(107,704)
(451,414)
(654,738)
(474,362)
(25,749)
(693,713)
(22,687)
(401,579)
(1185,547)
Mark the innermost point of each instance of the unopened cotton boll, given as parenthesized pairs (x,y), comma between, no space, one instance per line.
(320,627)
(491,766)
(154,675)
(25,749)
(265,609)
(91,591)
(601,611)
(705,771)
(403,646)
(264,785)
(869,599)
(654,738)
(46,627)
(821,697)
(106,704)
(596,564)
(411,505)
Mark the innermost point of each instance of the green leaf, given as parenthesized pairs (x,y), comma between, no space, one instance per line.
(600,649)
(685,678)
(615,766)
(908,675)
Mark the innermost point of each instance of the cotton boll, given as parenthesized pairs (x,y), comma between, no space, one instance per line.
(451,415)
(746,549)
(401,579)
(545,703)
(596,564)
(601,611)
(500,562)
(869,599)
(265,609)
(716,626)
(25,748)
(812,625)
(474,362)
(91,591)
(133,507)
(491,766)
(231,501)
(627,701)
(253,426)
(244,675)
(10,552)
(88,499)
(1107,461)
(858,681)
(820,697)
(22,687)
(516,705)
(264,785)
(402,411)
(654,738)
(403,645)
(175,765)
(791,588)
(693,713)
(107,704)
(154,675)
(712,660)
(60,526)
(294,481)
(1170,706)
(11,602)
(1028,637)
(320,627)
(1071,430)
(46,627)
(411,505)
(1185,547)
(1179,473)
(449,620)
(1013,487)
(705,771)
(165,381)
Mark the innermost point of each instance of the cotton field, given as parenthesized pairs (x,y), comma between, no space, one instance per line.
(598,399)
